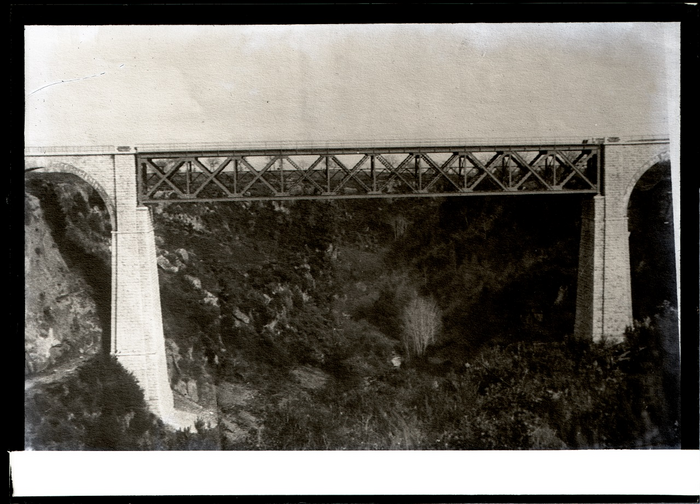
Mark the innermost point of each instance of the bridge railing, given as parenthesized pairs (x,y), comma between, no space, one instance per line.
(351,144)
(332,144)
(73,150)
(390,142)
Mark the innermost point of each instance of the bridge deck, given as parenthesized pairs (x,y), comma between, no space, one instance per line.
(298,172)
(353,169)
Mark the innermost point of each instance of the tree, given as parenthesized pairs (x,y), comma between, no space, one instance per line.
(421,325)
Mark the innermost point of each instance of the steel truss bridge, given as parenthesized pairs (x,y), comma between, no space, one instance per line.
(214,174)
(128,177)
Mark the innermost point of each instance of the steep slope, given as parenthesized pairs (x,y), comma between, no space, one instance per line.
(61,316)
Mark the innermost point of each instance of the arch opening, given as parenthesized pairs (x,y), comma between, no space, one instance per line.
(654,293)
(66,168)
(68,229)
(652,248)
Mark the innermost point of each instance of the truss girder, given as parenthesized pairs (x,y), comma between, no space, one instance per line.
(357,173)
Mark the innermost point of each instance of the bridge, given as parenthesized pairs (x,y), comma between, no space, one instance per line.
(129,178)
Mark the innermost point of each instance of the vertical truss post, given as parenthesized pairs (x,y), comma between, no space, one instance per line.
(599,171)
(140,181)
(502,172)
(328,178)
(547,164)
(462,170)
(188,177)
(235,176)
(374,175)
(418,173)
(281,174)
(506,161)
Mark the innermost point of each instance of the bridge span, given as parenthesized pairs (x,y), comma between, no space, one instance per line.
(129,178)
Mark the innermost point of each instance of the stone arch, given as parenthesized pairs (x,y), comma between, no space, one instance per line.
(661,157)
(61,167)
(653,259)
(98,278)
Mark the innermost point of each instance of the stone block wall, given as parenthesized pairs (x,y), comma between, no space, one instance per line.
(137,325)
(589,300)
(137,331)
(604,297)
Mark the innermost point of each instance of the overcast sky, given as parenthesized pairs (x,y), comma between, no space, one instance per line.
(131,85)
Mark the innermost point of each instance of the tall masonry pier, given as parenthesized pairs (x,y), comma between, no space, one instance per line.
(604,293)
(605,170)
(137,323)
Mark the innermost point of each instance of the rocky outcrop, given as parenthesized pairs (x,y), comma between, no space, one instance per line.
(239,425)
(309,378)
(60,316)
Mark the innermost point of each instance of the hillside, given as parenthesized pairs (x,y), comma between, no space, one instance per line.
(367,324)
(64,314)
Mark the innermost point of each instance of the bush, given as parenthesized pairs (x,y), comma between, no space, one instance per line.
(421,325)
(102,407)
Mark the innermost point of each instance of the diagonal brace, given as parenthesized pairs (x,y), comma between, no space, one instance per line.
(484,169)
(211,176)
(259,174)
(165,176)
(441,170)
(395,171)
(351,174)
(565,160)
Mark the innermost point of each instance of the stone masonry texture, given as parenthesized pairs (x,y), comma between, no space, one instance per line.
(604,297)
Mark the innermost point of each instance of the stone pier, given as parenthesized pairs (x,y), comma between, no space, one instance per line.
(604,295)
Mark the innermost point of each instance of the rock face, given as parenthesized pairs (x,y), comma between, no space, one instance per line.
(60,314)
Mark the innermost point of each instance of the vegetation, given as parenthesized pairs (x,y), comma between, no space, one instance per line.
(421,325)
(526,395)
(81,229)
(101,407)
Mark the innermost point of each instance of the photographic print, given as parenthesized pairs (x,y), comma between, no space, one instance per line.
(453,237)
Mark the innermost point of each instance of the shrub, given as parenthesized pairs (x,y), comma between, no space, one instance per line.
(421,325)
(102,407)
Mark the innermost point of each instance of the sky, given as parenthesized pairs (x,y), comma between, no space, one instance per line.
(131,85)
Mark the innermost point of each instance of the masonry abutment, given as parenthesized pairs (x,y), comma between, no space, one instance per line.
(589,304)
(604,292)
